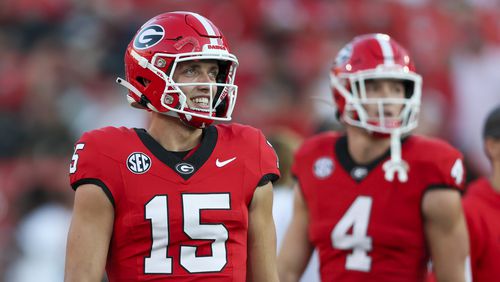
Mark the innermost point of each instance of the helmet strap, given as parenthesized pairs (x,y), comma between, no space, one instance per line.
(396,165)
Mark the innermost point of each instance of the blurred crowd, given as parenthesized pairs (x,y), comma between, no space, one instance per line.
(59,60)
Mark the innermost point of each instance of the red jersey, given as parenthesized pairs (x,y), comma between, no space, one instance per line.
(176,218)
(482,211)
(364,227)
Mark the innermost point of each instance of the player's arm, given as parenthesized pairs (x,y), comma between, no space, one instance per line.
(296,249)
(89,235)
(261,262)
(446,233)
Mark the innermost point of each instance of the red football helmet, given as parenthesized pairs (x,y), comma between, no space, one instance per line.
(153,55)
(368,57)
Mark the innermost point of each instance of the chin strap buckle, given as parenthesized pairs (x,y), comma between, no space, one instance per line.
(396,165)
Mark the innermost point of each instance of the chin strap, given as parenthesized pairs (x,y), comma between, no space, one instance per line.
(135,91)
(396,164)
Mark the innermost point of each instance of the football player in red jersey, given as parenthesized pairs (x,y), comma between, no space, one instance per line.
(376,202)
(183,200)
(482,209)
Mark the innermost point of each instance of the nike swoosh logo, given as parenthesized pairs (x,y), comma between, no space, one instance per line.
(221,164)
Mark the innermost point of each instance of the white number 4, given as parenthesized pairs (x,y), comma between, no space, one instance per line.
(457,171)
(357,217)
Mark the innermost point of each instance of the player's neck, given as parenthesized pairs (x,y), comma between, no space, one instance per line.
(495,177)
(172,134)
(364,147)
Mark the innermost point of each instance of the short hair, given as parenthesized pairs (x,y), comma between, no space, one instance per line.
(492,124)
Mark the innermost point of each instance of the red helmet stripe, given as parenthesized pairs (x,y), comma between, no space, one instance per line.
(211,31)
(385,45)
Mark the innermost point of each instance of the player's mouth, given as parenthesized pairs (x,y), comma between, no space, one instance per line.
(391,120)
(201,102)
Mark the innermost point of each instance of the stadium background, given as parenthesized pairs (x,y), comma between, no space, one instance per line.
(59,60)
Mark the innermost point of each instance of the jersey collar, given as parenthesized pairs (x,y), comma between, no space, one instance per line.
(185,168)
(357,171)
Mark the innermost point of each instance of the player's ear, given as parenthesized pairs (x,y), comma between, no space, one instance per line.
(492,148)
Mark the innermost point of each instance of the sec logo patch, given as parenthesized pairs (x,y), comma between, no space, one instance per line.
(323,167)
(138,163)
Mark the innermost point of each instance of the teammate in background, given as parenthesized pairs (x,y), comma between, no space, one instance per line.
(482,209)
(285,143)
(376,202)
(183,200)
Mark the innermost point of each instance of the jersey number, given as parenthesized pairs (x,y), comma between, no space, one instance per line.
(74,158)
(457,171)
(157,212)
(357,217)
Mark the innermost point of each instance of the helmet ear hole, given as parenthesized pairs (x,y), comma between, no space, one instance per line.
(143,81)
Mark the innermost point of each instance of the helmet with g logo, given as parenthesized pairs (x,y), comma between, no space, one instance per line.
(154,54)
(371,57)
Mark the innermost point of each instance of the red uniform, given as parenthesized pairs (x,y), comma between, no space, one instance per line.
(482,211)
(364,227)
(176,218)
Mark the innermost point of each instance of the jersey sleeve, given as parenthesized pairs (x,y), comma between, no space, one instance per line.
(449,168)
(269,167)
(298,171)
(89,166)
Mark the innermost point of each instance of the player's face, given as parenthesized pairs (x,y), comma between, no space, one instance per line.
(204,71)
(384,89)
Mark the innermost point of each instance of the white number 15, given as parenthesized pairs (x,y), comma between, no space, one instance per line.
(157,212)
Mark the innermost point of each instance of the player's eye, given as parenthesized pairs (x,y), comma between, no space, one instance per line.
(213,73)
(189,71)
(398,88)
